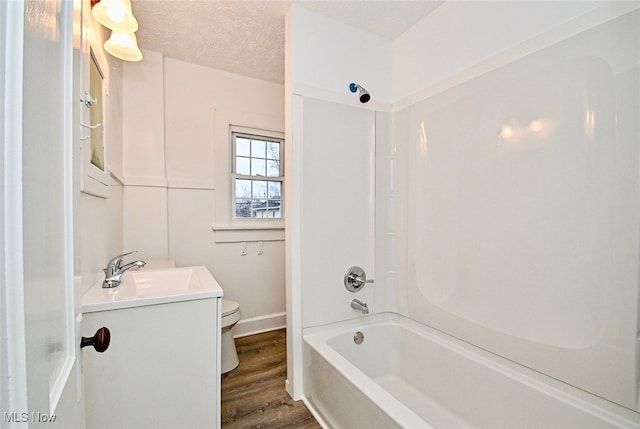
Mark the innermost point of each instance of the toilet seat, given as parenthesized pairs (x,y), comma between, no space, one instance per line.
(230,316)
(230,313)
(229,307)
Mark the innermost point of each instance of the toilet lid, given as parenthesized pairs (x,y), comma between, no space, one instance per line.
(229,307)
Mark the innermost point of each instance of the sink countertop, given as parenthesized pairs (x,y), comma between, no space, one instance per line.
(153,286)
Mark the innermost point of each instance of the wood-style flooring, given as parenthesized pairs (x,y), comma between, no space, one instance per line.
(253,394)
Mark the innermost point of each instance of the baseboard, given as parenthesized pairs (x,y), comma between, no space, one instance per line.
(257,325)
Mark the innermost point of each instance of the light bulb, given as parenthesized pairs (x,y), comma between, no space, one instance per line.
(115,13)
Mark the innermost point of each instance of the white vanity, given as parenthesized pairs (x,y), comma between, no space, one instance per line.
(162,367)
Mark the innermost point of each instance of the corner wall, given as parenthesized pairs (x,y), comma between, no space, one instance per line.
(443,47)
(177,178)
(327,55)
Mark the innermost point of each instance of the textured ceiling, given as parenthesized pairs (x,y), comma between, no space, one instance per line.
(247,36)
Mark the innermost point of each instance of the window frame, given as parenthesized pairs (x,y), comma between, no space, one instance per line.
(251,133)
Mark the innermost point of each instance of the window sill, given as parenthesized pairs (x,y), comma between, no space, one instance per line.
(253,232)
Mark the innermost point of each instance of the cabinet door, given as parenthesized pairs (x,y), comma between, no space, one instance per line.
(160,369)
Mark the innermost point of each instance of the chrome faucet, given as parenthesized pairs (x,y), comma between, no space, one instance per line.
(114,271)
(360,306)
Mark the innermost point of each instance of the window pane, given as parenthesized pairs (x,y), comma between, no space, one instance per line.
(274,190)
(258,167)
(243,188)
(273,210)
(273,168)
(259,189)
(259,208)
(243,147)
(273,150)
(243,208)
(243,166)
(258,149)
(257,157)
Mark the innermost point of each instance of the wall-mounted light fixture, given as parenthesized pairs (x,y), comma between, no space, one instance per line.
(124,46)
(117,16)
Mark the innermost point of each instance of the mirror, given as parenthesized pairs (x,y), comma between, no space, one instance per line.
(94,90)
(96,139)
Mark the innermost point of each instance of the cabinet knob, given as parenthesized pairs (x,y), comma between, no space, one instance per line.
(100,341)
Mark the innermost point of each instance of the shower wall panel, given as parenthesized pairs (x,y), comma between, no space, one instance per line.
(338,170)
(523,208)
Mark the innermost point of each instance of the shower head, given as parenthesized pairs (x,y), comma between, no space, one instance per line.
(364,94)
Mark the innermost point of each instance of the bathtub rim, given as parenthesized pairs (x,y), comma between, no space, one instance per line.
(317,338)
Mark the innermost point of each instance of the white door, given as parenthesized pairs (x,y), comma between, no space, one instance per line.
(38,353)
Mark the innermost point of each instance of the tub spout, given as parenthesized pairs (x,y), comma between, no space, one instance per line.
(360,306)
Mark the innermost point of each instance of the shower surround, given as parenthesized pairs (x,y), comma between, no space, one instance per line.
(504,209)
(523,210)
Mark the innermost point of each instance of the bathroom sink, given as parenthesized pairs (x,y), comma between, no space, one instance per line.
(166,281)
(153,286)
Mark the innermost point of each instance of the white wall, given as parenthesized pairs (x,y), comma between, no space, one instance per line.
(388,189)
(459,35)
(347,145)
(331,163)
(526,245)
(177,173)
(337,220)
(328,55)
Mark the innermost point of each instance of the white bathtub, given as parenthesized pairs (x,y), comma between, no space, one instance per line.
(407,375)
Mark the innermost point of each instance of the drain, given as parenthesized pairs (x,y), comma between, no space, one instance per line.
(358,337)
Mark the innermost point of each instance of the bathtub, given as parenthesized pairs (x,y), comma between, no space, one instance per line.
(406,375)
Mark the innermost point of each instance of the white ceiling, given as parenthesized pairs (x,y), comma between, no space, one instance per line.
(247,36)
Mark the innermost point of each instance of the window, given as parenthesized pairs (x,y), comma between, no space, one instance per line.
(258,173)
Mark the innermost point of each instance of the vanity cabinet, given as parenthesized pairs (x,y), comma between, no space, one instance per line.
(161,369)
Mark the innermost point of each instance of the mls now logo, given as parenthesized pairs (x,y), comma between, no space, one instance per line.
(16,417)
(24,417)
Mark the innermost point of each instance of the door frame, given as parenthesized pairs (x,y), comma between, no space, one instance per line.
(13,355)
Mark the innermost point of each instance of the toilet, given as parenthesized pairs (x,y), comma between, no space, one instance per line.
(230,316)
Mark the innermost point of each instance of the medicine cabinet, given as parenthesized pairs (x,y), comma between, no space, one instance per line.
(94,92)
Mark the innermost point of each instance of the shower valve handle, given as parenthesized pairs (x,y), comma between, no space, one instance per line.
(360,281)
(355,278)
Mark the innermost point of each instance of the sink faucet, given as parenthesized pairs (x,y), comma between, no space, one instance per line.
(114,271)
(359,305)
